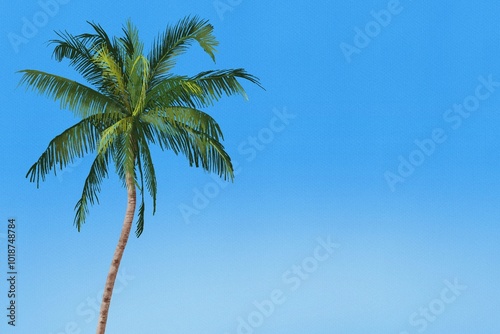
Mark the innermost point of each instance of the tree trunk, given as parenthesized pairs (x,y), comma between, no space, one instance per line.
(117,257)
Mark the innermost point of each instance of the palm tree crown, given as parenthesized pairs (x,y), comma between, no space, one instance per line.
(133,100)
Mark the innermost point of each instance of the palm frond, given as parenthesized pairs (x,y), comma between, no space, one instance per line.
(175,41)
(80,53)
(102,40)
(140,215)
(148,169)
(81,100)
(174,91)
(193,118)
(120,139)
(138,85)
(210,155)
(114,80)
(98,171)
(140,218)
(199,148)
(110,134)
(73,143)
(201,90)
(130,41)
(215,84)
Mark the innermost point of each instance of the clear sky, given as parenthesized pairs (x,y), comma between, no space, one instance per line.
(368,186)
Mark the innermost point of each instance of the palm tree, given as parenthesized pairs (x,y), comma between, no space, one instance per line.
(133,101)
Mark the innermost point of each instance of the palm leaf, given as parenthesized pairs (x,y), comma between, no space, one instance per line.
(137,85)
(140,214)
(102,40)
(80,50)
(192,117)
(110,134)
(175,41)
(215,84)
(64,148)
(114,80)
(174,91)
(199,148)
(80,99)
(140,218)
(98,171)
(201,90)
(148,168)
(130,42)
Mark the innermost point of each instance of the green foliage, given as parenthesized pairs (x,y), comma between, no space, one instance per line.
(132,101)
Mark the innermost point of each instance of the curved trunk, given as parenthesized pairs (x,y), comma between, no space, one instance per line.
(117,257)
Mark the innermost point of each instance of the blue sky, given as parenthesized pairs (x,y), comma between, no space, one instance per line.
(368,180)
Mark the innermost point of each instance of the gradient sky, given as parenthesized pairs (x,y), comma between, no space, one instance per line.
(374,150)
